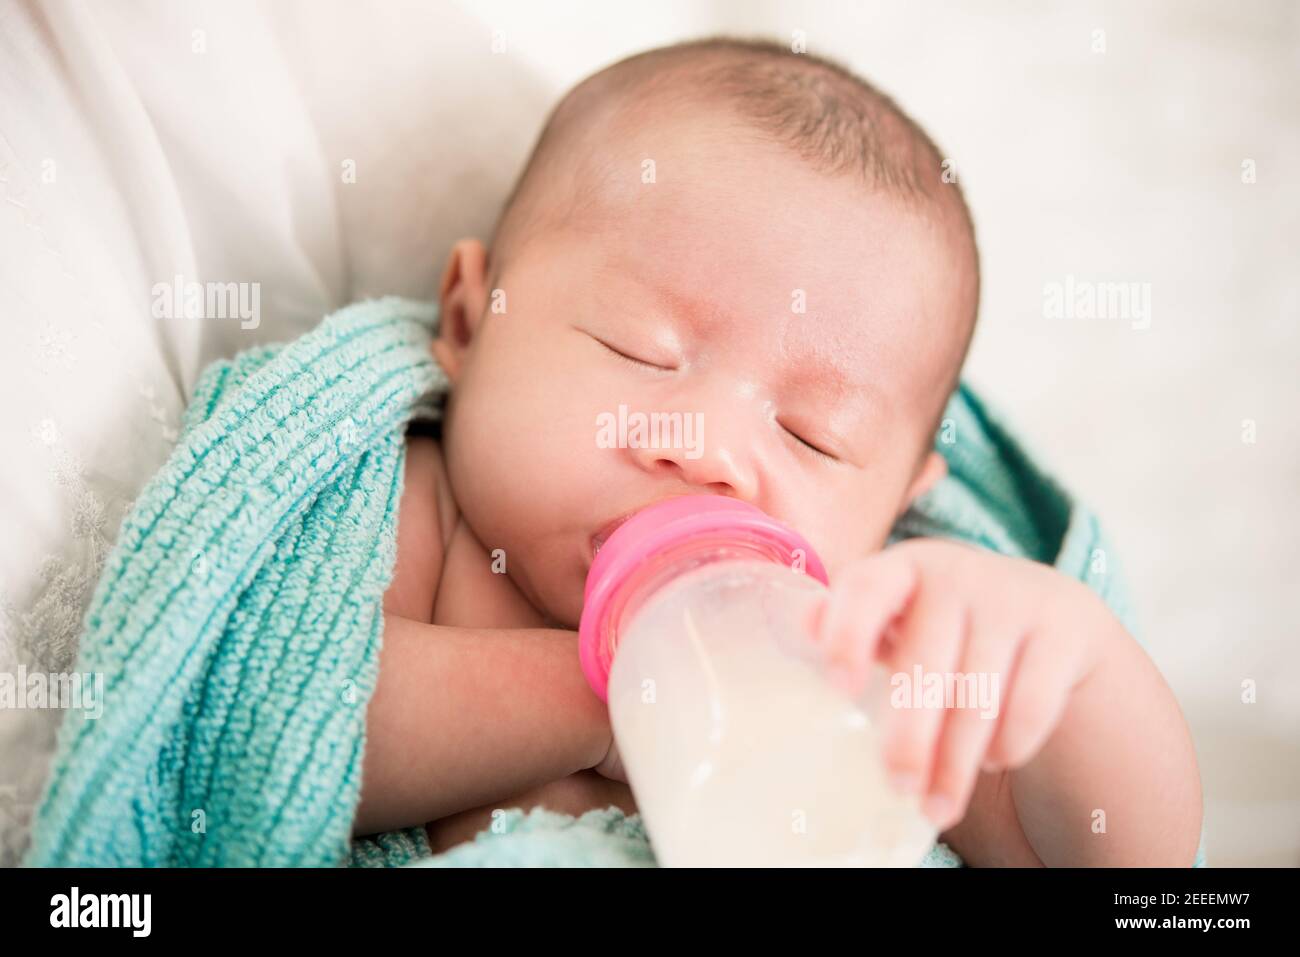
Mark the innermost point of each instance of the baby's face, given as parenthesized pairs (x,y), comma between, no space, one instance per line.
(792,320)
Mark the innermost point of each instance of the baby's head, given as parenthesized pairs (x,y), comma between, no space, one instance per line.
(750,238)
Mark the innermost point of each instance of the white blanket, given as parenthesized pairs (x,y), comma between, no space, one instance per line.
(140,142)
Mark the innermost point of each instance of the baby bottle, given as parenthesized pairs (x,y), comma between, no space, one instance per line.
(738,748)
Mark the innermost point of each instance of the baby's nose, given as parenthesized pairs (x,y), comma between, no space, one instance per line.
(701,451)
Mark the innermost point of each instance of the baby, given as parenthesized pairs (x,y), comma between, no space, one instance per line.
(755,237)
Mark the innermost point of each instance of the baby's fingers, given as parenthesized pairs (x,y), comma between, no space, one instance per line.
(866,597)
(1035,698)
(931,637)
(970,724)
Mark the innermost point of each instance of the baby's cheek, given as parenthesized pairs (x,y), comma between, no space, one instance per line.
(852,531)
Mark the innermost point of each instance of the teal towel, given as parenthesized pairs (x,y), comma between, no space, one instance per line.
(238,619)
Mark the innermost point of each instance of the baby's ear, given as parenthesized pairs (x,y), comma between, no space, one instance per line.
(934,468)
(462,299)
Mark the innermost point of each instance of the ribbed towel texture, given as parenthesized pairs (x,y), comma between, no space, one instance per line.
(238,620)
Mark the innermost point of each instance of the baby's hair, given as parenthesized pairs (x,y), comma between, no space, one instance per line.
(832,118)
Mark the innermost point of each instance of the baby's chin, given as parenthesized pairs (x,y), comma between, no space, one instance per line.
(558,603)
(564,614)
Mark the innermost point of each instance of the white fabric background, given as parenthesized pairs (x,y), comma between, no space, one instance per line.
(225,164)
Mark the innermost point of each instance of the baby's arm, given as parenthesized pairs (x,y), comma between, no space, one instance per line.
(1123,749)
(463,716)
(1081,721)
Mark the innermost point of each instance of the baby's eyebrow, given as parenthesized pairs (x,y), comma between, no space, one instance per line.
(825,379)
(814,366)
(696,311)
(815,372)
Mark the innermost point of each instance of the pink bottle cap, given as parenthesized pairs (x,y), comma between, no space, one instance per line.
(663,526)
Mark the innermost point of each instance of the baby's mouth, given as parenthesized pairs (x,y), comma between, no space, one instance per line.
(601,537)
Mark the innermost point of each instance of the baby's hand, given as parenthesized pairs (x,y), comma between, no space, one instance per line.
(611,766)
(1020,630)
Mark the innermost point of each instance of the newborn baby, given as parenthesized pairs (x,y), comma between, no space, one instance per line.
(755,237)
